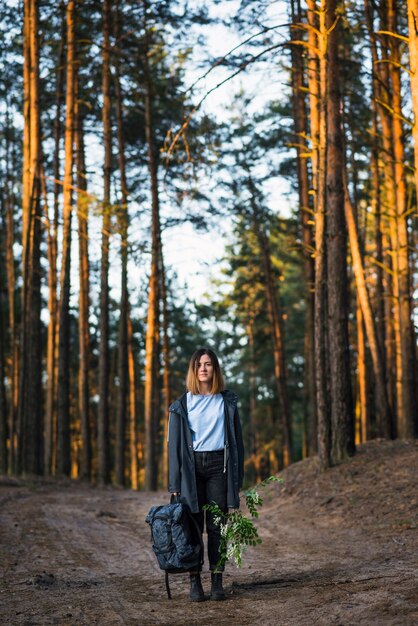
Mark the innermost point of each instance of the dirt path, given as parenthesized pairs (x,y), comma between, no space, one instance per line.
(337,549)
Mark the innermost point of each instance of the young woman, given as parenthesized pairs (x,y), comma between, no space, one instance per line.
(206,455)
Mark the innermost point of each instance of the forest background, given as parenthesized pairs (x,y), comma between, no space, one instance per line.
(299,156)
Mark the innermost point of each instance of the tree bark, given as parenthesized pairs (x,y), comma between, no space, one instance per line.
(362,407)
(321,308)
(166,371)
(125,370)
(384,427)
(413,58)
(103,469)
(30,384)
(342,422)
(51,356)
(383,92)
(3,403)
(253,435)
(84,297)
(9,230)
(407,331)
(151,342)
(301,131)
(133,435)
(63,460)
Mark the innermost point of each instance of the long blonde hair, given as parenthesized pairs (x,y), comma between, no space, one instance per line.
(192,381)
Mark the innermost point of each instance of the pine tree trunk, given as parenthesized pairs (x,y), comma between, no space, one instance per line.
(362,408)
(166,371)
(30,384)
(51,352)
(407,331)
(342,419)
(3,402)
(413,56)
(63,454)
(133,436)
(11,291)
(383,427)
(301,131)
(103,469)
(383,91)
(125,368)
(151,342)
(84,297)
(253,437)
(321,308)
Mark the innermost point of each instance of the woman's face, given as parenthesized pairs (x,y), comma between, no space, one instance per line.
(205,370)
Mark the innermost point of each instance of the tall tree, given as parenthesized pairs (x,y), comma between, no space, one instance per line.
(151,344)
(413,55)
(84,297)
(125,368)
(63,460)
(321,295)
(30,398)
(51,355)
(301,132)
(341,399)
(104,367)
(9,232)
(404,303)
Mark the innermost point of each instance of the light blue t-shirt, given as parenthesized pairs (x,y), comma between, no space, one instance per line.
(206,421)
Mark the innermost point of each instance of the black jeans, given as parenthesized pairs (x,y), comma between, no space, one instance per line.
(211,487)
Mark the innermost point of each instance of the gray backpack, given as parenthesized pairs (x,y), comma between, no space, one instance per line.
(177,540)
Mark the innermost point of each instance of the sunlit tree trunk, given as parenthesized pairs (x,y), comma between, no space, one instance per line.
(321,308)
(383,427)
(301,131)
(103,469)
(381,90)
(51,352)
(317,152)
(342,423)
(63,460)
(384,91)
(151,411)
(362,408)
(407,332)
(84,297)
(166,370)
(133,435)
(413,57)
(125,400)
(30,384)
(124,365)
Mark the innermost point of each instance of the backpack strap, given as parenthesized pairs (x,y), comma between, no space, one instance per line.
(167,585)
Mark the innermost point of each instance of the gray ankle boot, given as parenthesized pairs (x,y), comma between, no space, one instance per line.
(196,589)
(217,591)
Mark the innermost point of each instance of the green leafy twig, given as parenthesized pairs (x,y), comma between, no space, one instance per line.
(237,530)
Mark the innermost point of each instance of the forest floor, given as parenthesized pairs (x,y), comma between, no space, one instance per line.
(338,548)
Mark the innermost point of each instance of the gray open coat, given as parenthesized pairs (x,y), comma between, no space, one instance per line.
(181,470)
